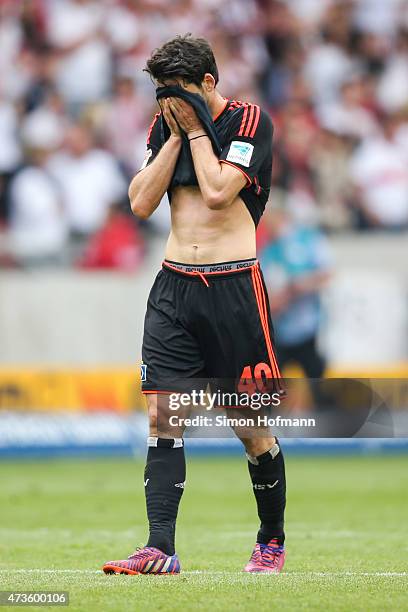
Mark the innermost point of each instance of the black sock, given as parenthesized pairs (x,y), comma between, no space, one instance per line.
(267,473)
(164,479)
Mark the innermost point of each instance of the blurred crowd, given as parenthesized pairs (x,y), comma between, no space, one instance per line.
(75,106)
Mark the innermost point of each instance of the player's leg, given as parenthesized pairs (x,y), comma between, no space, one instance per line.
(170,356)
(265,457)
(164,475)
(242,344)
(164,480)
(266,468)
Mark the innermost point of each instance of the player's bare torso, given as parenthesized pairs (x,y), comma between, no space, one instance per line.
(201,235)
(209,223)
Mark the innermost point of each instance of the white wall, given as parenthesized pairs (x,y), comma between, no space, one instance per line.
(74,318)
(366,305)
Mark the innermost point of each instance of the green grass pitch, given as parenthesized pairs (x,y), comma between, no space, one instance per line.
(347,535)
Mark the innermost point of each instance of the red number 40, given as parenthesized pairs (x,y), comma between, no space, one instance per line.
(251,382)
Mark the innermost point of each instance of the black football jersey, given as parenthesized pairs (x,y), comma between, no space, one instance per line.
(245,135)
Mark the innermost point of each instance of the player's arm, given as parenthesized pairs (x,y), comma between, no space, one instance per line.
(151,182)
(221,180)
(219,184)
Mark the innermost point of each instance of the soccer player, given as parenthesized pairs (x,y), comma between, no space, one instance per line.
(200,322)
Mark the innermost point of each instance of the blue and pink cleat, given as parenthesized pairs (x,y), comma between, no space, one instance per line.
(147,560)
(266,558)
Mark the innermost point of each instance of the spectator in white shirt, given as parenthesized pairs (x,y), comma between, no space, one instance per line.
(90,181)
(83,72)
(347,115)
(37,225)
(379,172)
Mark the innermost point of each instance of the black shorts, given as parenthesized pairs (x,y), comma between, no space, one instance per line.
(208,322)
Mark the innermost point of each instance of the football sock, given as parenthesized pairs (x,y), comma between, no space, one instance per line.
(164,479)
(267,473)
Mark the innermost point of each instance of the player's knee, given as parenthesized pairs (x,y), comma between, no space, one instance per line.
(152,413)
(153,422)
(258,446)
(161,425)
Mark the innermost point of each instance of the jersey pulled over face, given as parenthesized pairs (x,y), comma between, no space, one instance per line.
(245,134)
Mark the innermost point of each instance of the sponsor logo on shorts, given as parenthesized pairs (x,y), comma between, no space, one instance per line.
(202,270)
(225,268)
(143,372)
(245,264)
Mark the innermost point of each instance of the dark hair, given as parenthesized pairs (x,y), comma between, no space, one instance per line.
(183,57)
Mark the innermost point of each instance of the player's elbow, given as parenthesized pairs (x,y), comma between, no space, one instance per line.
(140,209)
(216,200)
(139,203)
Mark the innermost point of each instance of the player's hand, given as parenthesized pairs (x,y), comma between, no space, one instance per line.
(169,118)
(185,115)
